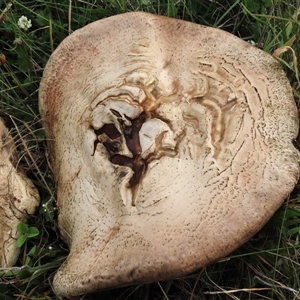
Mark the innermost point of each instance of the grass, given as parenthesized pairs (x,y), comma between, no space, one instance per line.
(266,267)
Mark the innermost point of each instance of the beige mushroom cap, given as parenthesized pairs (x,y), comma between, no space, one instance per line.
(171,144)
(18,199)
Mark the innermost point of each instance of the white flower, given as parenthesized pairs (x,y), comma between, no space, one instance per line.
(24,23)
(18,41)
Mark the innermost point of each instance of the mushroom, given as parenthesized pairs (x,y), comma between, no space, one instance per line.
(18,199)
(171,145)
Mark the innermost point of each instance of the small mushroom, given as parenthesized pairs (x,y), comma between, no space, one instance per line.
(18,199)
(171,145)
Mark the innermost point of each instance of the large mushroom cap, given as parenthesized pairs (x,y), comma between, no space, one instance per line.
(171,144)
(18,199)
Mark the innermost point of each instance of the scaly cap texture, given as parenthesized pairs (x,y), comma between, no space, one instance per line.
(171,144)
(18,199)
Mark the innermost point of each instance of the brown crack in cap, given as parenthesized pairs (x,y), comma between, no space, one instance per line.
(18,199)
(171,144)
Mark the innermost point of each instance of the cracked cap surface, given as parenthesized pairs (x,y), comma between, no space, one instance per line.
(171,144)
